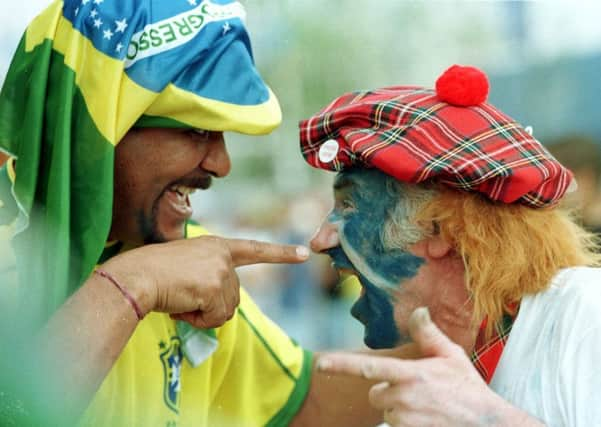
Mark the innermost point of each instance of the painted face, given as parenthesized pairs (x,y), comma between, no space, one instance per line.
(155,171)
(362,204)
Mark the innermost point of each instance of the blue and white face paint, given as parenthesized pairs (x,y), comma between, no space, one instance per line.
(362,206)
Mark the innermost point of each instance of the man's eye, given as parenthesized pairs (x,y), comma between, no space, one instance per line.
(347,205)
(200,134)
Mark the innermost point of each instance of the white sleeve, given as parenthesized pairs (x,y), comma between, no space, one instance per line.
(551,364)
(579,370)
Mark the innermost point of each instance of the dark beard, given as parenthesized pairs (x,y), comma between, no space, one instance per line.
(149,228)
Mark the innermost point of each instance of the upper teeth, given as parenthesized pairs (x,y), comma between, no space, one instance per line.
(184,190)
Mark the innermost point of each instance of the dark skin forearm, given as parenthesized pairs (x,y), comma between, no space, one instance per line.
(79,345)
(192,279)
(335,400)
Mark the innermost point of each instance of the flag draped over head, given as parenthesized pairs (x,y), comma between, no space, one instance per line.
(84,73)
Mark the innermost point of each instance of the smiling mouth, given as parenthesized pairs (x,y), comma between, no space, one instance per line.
(181,192)
(177,195)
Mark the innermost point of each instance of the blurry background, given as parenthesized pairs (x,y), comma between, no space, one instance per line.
(544,63)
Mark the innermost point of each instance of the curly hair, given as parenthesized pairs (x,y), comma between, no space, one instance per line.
(508,250)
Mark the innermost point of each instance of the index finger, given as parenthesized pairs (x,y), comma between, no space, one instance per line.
(375,368)
(245,252)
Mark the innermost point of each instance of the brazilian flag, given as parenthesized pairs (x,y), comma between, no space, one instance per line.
(87,71)
(84,73)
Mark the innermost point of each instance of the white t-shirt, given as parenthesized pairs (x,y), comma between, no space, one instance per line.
(551,364)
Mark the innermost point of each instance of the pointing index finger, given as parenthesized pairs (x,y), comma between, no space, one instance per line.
(245,252)
(375,368)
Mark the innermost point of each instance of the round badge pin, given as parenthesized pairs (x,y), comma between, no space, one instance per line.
(328,150)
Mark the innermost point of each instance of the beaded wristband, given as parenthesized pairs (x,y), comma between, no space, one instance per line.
(126,294)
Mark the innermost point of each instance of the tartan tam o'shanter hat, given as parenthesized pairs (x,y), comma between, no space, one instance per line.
(449,134)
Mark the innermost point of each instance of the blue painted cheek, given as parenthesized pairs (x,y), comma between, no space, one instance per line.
(379,269)
(361,230)
(390,267)
(375,310)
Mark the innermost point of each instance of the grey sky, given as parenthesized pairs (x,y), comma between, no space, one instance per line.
(554,28)
(12,26)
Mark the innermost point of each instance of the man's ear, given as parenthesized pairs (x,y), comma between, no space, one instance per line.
(434,247)
(437,247)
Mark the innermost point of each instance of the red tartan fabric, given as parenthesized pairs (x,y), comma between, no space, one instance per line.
(486,353)
(408,133)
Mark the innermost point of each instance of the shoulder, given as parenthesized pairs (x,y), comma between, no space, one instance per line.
(571,286)
(578,288)
(555,339)
(578,302)
(567,311)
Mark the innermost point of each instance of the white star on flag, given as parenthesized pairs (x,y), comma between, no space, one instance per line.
(84,2)
(121,25)
(97,22)
(192,2)
(98,1)
(118,47)
(107,34)
(93,13)
(226,27)
(76,11)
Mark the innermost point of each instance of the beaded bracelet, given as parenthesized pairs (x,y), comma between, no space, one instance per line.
(126,294)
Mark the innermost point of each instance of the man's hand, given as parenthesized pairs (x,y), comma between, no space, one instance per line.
(441,389)
(195,279)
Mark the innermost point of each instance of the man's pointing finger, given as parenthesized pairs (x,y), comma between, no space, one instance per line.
(370,367)
(245,252)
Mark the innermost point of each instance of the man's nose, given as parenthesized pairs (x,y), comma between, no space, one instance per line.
(326,237)
(217,161)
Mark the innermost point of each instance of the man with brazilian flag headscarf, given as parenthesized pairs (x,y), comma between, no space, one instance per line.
(112,112)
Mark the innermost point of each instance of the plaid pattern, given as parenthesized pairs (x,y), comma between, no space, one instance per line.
(486,353)
(408,133)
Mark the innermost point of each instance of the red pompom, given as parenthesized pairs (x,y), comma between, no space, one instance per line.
(462,86)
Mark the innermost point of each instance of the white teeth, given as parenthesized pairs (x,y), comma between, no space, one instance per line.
(183,190)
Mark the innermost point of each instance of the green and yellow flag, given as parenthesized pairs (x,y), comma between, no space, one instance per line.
(85,72)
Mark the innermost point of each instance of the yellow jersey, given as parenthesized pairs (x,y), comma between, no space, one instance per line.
(258,376)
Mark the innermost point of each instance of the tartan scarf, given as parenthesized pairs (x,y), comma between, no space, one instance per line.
(487,352)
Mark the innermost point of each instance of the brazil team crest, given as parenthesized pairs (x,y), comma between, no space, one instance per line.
(171,358)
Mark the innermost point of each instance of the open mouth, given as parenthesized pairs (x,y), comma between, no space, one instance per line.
(182,192)
(177,195)
(179,201)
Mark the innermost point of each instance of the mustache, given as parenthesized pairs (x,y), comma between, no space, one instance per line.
(202,182)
